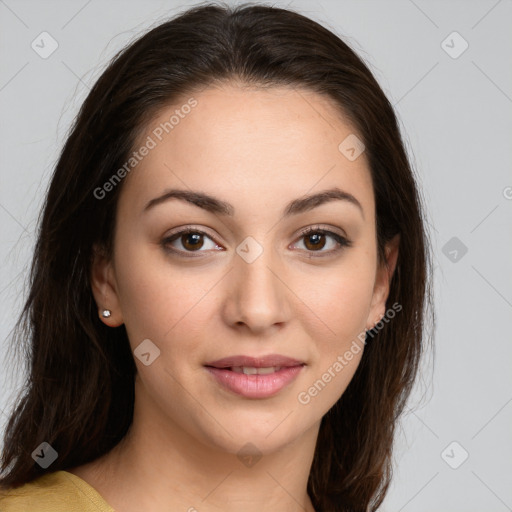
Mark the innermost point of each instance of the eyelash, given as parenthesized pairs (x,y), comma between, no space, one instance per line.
(340,240)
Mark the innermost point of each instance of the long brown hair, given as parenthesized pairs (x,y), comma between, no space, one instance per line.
(79,394)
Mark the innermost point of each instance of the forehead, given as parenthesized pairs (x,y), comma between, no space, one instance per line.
(248,145)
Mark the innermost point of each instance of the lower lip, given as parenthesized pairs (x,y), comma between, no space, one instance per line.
(255,386)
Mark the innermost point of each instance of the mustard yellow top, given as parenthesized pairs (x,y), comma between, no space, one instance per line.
(59,491)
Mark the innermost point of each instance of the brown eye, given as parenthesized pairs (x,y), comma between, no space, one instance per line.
(192,241)
(315,241)
(188,241)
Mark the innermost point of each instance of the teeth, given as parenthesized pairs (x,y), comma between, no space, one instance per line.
(249,370)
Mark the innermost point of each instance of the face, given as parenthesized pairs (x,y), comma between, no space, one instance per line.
(245,280)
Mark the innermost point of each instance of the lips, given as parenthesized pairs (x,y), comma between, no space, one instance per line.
(255,377)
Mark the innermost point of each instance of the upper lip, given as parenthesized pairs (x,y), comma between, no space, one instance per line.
(255,362)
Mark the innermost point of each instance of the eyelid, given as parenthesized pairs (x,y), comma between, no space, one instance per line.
(321,228)
(189,228)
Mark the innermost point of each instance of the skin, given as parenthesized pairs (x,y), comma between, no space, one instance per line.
(258,150)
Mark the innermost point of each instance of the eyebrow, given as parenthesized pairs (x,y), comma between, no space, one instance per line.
(216,206)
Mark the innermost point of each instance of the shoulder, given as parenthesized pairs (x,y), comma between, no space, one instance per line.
(59,491)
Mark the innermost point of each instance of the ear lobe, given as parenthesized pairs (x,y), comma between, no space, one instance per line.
(104,288)
(382,281)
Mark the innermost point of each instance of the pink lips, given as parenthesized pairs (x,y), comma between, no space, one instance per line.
(255,385)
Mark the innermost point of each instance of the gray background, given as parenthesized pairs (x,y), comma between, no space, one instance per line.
(456,118)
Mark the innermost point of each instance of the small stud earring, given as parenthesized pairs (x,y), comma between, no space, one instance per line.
(106,313)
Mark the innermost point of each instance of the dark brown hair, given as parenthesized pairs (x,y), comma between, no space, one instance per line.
(79,394)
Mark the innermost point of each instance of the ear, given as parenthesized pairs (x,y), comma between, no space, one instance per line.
(104,288)
(382,282)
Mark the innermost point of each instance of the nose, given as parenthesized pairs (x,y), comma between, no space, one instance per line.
(257,297)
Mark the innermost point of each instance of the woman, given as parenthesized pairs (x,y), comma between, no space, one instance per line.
(229,285)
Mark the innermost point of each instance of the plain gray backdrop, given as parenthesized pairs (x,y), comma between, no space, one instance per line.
(446,67)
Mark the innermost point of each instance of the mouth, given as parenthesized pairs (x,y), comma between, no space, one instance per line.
(252,370)
(254,377)
(262,362)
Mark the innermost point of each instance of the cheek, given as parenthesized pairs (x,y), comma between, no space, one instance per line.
(340,304)
(340,301)
(159,299)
